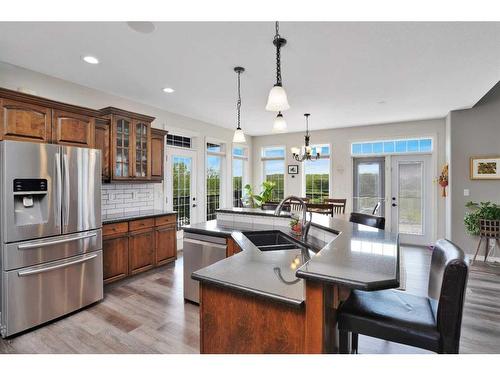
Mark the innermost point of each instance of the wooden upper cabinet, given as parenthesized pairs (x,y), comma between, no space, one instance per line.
(24,121)
(142,150)
(130,151)
(72,129)
(30,118)
(121,150)
(101,142)
(157,153)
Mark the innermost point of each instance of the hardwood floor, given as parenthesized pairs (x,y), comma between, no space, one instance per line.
(147,314)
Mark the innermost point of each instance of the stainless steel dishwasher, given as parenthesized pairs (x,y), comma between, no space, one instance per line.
(199,251)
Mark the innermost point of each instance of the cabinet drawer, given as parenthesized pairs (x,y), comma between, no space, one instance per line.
(162,220)
(141,224)
(115,228)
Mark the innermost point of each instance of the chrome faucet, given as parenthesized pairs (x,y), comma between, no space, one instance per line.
(304,223)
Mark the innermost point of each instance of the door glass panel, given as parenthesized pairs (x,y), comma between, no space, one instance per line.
(369,185)
(182,188)
(214,172)
(410,203)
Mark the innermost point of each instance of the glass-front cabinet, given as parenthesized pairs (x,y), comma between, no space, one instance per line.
(130,144)
(122,143)
(142,141)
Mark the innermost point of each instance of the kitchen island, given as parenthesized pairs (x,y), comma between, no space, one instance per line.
(285,301)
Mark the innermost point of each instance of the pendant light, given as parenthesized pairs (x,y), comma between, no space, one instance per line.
(279,124)
(306,153)
(277,100)
(239,136)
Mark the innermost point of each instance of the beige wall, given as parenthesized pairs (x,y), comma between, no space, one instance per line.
(341,167)
(473,132)
(14,77)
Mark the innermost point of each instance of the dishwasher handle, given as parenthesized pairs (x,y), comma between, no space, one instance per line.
(205,243)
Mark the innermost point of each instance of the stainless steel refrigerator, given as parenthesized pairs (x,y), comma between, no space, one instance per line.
(50,232)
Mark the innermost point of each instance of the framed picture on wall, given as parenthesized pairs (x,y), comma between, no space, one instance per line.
(485,168)
(293,169)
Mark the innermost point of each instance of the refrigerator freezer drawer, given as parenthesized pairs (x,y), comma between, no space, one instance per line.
(29,253)
(36,295)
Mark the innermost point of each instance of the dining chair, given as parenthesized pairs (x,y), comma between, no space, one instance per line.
(320,208)
(367,219)
(296,205)
(338,204)
(431,322)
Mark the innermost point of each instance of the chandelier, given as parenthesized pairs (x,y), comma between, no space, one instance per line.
(306,151)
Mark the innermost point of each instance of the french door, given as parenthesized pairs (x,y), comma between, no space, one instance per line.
(369,185)
(411,198)
(181,183)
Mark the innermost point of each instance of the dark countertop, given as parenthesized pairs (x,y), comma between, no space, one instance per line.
(270,274)
(360,257)
(209,228)
(116,218)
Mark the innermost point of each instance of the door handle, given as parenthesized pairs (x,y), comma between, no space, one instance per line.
(394,205)
(54,242)
(58,188)
(66,192)
(55,267)
(195,205)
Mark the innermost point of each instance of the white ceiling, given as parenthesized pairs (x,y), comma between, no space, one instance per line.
(344,74)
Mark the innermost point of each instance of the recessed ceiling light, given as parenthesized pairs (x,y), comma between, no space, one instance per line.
(168,90)
(142,27)
(381,102)
(91,59)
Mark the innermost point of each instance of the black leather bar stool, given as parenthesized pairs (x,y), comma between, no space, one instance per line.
(367,219)
(431,322)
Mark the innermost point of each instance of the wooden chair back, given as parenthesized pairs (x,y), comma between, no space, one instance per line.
(320,208)
(338,205)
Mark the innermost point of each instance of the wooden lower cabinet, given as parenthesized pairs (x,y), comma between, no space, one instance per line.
(129,251)
(115,258)
(165,244)
(141,256)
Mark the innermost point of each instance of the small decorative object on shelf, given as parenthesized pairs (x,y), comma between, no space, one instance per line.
(443,180)
(296,227)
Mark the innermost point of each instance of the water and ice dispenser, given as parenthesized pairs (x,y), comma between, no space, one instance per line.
(30,201)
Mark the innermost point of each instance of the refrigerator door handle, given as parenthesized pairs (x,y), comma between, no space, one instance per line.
(58,189)
(55,267)
(66,191)
(55,242)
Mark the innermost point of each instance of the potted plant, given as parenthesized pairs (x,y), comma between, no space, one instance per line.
(257,200)
(478,211)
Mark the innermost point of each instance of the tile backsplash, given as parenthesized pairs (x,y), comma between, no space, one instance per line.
(121,198)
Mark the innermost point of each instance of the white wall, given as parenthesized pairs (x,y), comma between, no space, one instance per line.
(14,77)
(341,165)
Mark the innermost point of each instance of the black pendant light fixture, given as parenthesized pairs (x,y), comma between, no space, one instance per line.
(277,100)
(239,136)
(305,152)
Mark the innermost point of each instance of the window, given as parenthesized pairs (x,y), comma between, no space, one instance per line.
(215,157)
(178,141)
(240,160)
(273,166)
(401,146)
(317,176)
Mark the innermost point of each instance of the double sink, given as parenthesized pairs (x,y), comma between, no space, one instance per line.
(271,240)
